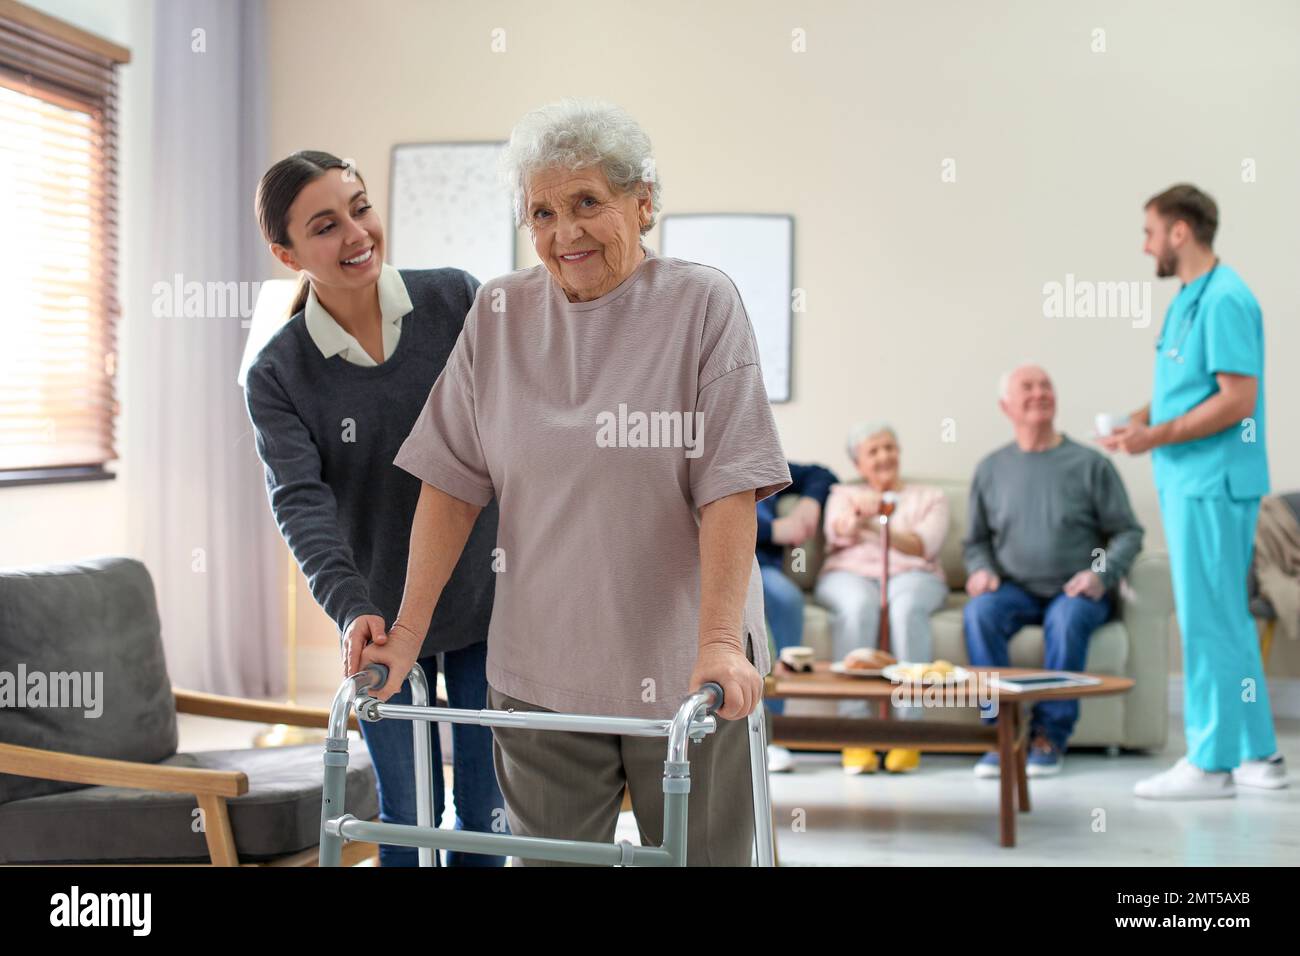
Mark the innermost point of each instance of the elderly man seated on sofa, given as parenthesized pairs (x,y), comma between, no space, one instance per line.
(1050,535)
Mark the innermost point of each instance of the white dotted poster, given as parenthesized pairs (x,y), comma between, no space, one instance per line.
(449,208)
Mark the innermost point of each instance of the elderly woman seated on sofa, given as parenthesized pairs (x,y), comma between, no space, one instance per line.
(849,584)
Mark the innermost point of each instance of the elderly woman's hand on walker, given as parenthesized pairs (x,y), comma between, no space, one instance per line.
(728,528)
(429,564)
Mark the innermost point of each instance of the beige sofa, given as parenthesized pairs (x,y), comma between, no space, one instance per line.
(1134,643)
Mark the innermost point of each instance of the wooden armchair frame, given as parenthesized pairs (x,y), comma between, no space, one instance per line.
(211,788)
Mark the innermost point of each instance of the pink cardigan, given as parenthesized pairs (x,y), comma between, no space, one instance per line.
(921,510)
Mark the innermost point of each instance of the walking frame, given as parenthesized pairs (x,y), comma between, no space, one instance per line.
(693,721)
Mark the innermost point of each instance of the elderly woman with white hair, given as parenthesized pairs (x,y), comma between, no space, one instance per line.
(849,584)
(611,400)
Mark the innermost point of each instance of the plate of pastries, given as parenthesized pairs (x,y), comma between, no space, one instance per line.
(864,662)
(925,672)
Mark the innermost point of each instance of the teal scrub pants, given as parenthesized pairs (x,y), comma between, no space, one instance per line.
(1225,702)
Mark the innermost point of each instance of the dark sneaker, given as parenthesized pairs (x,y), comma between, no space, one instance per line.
(1045,758)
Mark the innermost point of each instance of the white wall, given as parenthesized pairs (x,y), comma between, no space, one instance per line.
(920,292)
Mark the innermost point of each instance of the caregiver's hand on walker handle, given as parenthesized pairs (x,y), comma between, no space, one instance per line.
(439,530)
(364,629)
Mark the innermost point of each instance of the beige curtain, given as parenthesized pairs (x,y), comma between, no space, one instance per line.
(198,511)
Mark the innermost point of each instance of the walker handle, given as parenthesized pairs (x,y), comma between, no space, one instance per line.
(379,672)
(717,696)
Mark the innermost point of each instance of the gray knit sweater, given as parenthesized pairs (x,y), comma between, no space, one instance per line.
(1037,518)
(328,430)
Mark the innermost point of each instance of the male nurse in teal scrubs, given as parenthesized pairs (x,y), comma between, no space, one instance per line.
(1205,430)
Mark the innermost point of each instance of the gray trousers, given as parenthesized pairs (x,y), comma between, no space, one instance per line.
(570,786)
(854,603)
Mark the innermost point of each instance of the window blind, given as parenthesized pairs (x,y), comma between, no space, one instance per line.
(58,243)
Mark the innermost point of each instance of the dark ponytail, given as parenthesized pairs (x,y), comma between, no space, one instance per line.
(277,191)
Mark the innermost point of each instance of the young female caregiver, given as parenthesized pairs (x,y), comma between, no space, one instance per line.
(332,396)
(1205,429)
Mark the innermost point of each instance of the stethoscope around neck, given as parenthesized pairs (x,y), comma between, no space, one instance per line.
(1185,326)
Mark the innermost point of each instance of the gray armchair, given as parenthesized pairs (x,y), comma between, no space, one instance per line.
(89,771)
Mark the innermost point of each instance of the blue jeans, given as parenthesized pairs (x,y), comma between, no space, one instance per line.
(994,617)
(784,603)
(392,753)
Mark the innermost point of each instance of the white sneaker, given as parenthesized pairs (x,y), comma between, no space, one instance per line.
(779,760)
(1184,781)
(988,766)
(1267,774)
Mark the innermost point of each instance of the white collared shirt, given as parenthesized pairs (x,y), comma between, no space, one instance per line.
(332,339)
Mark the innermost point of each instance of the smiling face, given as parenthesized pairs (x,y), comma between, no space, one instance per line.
(1030,399)
(878,461)
(1162,241)
(576,212)
(334,234)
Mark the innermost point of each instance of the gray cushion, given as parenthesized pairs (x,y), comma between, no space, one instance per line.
(279,815)
(99,617)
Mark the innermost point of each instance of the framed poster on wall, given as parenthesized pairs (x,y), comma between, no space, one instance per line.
(448,208)
(757,251)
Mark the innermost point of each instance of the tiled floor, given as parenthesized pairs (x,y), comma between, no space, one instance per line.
(1087,816)
(942,815)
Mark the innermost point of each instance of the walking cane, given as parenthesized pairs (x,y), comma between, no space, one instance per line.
(887,502)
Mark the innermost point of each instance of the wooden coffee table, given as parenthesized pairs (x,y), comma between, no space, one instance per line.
(1008,737)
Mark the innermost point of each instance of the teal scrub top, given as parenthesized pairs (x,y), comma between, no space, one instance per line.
(1224,334)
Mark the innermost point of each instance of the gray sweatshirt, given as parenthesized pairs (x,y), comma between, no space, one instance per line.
(1038,518)
(328,430)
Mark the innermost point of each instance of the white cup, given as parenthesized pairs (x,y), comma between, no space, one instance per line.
(1108,423)
(798,658)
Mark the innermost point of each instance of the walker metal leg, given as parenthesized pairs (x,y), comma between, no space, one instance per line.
(334,782)
(423,752)
(334,786)
(675,817)
(763,836)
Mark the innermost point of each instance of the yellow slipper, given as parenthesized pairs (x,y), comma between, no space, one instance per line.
(859,760)
(901,761)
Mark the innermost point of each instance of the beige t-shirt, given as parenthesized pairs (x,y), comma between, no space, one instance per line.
(602,427)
